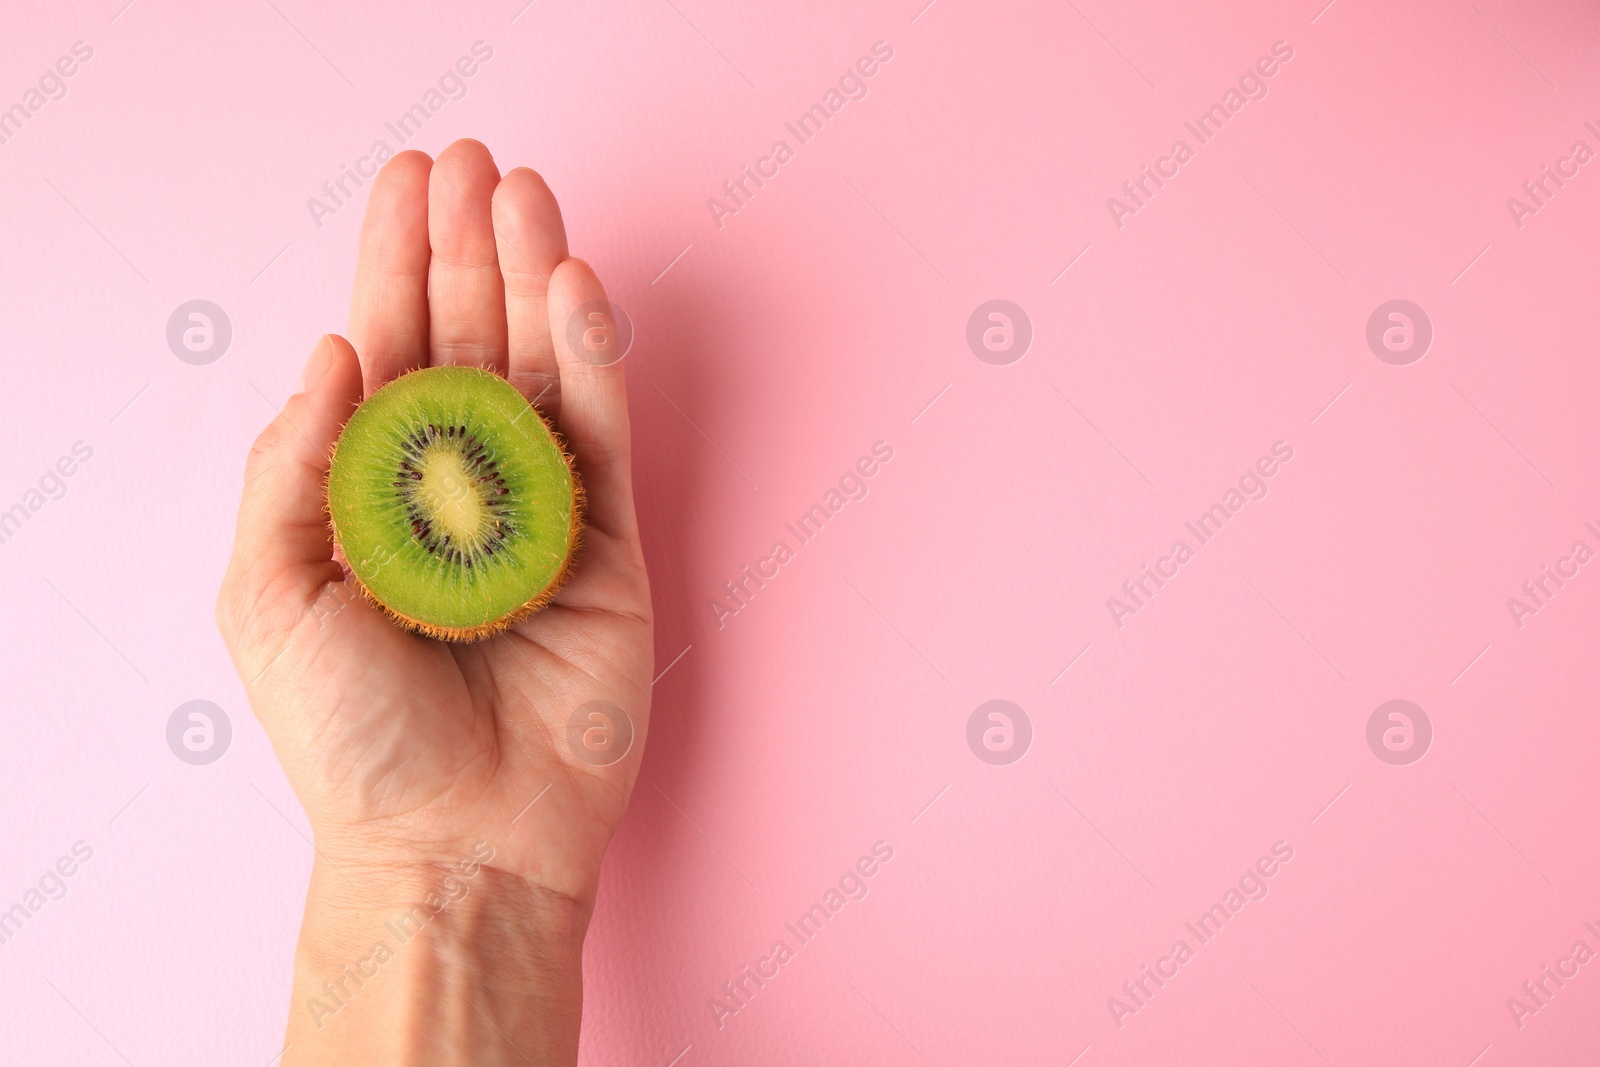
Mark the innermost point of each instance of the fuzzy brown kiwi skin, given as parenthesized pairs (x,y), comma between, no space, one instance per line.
(467,634)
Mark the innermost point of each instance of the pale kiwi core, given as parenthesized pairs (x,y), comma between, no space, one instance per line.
(447,496)
(454,504)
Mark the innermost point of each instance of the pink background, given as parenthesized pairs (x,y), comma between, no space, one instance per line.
(828,713)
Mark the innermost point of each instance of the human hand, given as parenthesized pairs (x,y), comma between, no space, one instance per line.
(410,756)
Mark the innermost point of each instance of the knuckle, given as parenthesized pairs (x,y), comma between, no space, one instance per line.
(540,387)
(263,452)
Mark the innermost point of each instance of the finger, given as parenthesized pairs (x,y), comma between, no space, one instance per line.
(467,299)
(389,308)
(532,240)
(283,552)
(594,407)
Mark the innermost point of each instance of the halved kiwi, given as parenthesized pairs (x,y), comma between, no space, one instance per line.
(454,503)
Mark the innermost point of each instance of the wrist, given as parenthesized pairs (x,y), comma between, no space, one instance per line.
(439,963)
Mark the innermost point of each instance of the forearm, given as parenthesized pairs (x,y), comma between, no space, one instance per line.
(435,968)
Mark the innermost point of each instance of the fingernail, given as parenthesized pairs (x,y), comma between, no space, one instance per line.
(318,365)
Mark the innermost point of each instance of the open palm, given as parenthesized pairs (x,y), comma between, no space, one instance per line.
(404,750)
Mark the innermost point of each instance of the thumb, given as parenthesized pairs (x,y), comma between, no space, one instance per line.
(283,551)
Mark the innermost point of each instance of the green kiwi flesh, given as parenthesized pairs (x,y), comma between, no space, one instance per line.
(454,503)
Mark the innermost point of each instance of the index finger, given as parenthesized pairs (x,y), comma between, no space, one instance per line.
(389,306)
